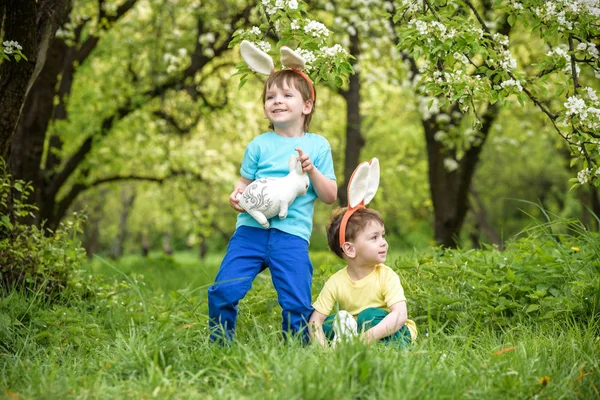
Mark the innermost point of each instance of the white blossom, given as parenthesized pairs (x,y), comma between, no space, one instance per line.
(334,51)
(264,46)
(451,164)
(10,46)
(439,136)
(576,106)
(316,29)
(512,83)
(584,175)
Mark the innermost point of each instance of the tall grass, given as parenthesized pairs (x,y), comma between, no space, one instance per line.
(139,330)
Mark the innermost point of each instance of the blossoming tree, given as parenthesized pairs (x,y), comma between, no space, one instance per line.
(466,60)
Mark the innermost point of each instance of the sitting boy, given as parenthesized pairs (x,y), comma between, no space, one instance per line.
(366,289)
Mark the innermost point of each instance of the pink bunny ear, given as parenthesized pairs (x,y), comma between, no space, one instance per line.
(257,60)
(362,187)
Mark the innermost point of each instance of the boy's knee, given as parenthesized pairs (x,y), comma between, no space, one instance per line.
(370,317)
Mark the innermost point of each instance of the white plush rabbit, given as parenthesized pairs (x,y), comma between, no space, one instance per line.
(267,197)
(345,327)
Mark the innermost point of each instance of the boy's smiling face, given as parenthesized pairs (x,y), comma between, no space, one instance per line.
(285,107)
(370,244)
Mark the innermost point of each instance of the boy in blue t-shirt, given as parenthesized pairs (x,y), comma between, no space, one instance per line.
(289,101)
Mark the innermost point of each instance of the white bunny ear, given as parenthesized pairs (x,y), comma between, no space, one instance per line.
(357,187)
(294,164)
(373,180)
(257,60)
(363,183)
(291,59)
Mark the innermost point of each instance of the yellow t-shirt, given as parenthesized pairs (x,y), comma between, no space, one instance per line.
(380,289)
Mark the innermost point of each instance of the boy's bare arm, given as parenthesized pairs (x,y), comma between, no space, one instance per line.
(238,188)
(389,325)
(325,188)
(315,328)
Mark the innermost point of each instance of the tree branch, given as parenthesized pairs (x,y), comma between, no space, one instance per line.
(64,203)
(481,21)
(573,65)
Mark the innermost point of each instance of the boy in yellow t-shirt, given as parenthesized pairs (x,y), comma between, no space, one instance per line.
(369,294)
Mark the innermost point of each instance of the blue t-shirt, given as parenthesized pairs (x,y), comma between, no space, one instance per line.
(267,156)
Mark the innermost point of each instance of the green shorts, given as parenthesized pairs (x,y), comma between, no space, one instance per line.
(367,319)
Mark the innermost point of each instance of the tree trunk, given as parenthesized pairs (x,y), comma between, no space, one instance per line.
(167,243)
(91,230)
(27,146)
(482,225)
(450,189)
(51,180)
(203,247)
(354,139)
(145,244)
(32,23)
(588,196)
(127,200)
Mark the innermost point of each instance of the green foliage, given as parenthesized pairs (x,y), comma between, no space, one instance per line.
(10,48)
(29,259)
(542,276)
(291,25)
(466,52)
(136,339)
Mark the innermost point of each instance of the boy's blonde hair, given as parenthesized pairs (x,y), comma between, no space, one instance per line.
(356,224)
(295,80)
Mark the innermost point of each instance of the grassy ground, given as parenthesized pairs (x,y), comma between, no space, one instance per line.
(142,334)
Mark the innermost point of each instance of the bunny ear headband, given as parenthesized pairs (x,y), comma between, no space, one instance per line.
(261,62)
(362,187)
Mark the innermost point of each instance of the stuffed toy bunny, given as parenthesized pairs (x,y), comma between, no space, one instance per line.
(267,197)
(345,327)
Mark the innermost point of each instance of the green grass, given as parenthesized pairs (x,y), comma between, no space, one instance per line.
(140,331)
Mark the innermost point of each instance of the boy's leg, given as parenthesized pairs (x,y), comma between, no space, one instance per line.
(328,327)
(291,271)
(370,317)
(243,261)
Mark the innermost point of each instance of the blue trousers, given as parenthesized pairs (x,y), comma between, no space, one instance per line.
(249,252)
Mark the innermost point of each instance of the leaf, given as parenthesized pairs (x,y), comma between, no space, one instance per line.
(6,222)
(532,307)
(573,162)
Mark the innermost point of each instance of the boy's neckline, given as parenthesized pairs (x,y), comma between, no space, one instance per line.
(290,137)
(362,277)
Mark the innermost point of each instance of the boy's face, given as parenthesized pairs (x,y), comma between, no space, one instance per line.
(370,244)
(285,107)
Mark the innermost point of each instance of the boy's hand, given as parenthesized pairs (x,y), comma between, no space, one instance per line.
(234,202)
(307,165)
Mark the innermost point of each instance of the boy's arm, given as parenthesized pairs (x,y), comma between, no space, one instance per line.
(238,188)
(325,188)
(389,325)
(315,328)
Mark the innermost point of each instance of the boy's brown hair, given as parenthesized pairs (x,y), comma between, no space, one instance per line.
(292,79)
(356,224)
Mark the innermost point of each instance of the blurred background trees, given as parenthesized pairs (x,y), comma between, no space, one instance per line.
(128,111)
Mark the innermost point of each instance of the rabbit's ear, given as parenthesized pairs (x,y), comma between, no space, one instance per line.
(363,183)
(291,59)
(294,164)
(357,187)
(372,181)
(257,60)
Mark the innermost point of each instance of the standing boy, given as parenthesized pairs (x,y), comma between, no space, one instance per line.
(289,101)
